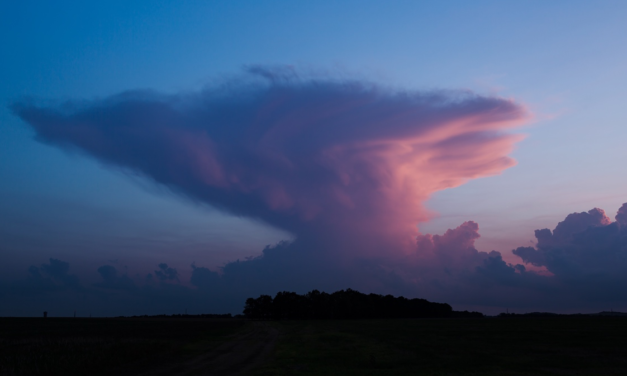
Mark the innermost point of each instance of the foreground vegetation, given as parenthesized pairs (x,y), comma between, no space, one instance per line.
(91,346)
(490,346)
(229,346)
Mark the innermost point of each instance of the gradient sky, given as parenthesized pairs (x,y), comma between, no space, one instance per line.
(563,62)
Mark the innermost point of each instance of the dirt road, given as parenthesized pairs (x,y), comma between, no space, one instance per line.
(235,357)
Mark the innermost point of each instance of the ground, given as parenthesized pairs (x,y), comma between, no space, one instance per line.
(144,346)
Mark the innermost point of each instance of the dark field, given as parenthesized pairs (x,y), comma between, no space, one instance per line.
(90,346)
(490,346)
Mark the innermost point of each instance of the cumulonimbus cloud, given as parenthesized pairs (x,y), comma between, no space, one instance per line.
(346,167)
(586,254)
(319,157)
(585,248)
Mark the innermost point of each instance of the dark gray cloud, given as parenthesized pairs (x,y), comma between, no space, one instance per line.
(204,278)
(111,279)
(587,258)
(166,273)
(53,276)
(586,252)
(621,216)
(584,244)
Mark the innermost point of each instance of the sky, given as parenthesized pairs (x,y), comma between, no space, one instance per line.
(160,156)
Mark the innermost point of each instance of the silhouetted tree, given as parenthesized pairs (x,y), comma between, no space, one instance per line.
(345,304)
(260,308)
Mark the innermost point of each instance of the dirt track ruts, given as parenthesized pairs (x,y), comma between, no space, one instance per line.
(234,357)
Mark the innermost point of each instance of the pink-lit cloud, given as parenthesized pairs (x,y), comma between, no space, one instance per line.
(587,266)
(586,248)
(346,166)
(348,160)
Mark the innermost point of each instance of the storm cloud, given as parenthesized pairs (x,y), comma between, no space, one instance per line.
(585,256)
(344,165)
(319,157)
(586,252)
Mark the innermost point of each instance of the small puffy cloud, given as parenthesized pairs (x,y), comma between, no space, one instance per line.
(573,224)
(108,273)
(498,272)
(166,273)
(531,255)
(54,274)
(113,280)
(455,248)
(204,278)
(621,216)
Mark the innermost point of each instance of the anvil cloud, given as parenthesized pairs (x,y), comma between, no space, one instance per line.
(344,165)
(320,157)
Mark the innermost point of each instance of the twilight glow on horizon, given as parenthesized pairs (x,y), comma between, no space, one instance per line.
(157,157)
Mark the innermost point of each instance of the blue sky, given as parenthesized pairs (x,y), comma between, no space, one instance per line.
(564,60)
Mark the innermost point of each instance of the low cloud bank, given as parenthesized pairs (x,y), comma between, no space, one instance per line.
(586,254)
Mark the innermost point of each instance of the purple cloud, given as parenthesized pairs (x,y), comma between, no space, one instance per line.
(315,156)
(346,166)
(586,251)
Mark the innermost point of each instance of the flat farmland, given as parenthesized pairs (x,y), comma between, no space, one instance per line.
(488,346)
(189,346)
(108,346)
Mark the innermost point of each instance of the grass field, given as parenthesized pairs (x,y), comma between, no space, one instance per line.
(91,346)
(491,346)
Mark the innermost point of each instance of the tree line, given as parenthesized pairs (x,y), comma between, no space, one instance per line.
(345,304)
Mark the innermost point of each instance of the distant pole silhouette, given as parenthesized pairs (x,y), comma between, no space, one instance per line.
(45,314)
